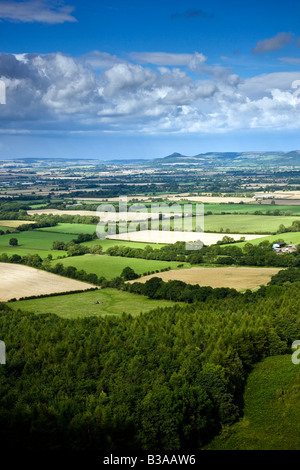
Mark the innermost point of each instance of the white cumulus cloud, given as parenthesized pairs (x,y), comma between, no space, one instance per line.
(60,93)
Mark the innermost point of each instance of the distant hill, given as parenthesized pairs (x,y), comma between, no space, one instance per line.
(234,159)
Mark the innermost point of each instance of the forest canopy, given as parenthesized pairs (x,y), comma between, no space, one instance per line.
(166,380)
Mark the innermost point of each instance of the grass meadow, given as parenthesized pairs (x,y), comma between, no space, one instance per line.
(33,242)
(235,208)
(112,266)
(35,239)
(271,418)
(250,208)
(290,238)
(73,229)
(246,223)
(108,243)
(234,223)
(76,229)
(111,302)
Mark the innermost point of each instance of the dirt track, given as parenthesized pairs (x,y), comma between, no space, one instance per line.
(22,281)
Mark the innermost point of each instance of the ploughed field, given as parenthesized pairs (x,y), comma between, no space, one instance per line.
(239,278)
(22,281)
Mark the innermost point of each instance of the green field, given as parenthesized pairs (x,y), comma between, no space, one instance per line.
(74,229)
(33,241)
(14,250)
(111,302)
(38,206)
(290,238)
(250,208)
(246,223)
(271,418)
(112,266)
(235,223)
(235,208)
(107,243)
(5,227)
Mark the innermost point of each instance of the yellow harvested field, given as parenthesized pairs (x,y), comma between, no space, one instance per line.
(60,212)
(239,278)
(14,223)
(210,199)
(165,236)
(178,197)
(22,281)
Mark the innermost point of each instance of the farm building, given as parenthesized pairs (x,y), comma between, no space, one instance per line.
(266,196)
(284,248)
(289,249)
(278,246)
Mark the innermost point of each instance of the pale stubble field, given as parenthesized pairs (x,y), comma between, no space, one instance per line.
(22,281)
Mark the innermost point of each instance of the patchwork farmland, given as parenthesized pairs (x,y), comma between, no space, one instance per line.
(122,329)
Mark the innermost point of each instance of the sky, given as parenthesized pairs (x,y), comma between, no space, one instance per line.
(119,79)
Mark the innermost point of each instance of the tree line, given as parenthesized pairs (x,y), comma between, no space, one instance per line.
(250,255)
(35,261)
(154,288)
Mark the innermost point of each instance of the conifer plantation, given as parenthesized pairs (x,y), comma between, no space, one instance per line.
(170,379)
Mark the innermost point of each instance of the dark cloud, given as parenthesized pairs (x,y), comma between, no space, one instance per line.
(273,44)
(11,67)
(188,14)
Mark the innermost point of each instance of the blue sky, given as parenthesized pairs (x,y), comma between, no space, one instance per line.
(141,79)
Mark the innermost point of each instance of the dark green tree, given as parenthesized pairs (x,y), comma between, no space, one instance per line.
(128,274)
